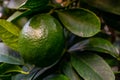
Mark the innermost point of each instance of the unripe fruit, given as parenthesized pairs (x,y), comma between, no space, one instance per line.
(41,41)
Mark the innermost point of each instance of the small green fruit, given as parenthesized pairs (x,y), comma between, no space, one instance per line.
(41,41)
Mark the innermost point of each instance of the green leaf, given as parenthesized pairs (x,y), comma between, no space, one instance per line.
(96,44)
(56,77)
(92,67)
(69,72)
(27,14)
(9,34)
(5,77)
(23,77)
(81,22)
(14,16)
(8,68)
(18,15)
(9,56)
(9,27)
(19,18)
(32,72)
(111,61)
(112,6)
(31,4)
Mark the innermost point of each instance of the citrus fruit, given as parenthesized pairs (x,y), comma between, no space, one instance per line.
(41,41)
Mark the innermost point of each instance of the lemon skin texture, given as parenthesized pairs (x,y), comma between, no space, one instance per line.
(41,41)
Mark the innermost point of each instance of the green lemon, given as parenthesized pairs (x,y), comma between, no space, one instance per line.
(41,40)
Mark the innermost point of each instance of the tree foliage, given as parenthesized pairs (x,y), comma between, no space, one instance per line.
(92,39)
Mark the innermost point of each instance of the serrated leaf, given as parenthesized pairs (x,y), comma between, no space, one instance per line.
(96,44)
(69,71)
(56,77)
(112,6)
(92,67)
(9,57)
(31,4)
(81,22)
(8,68)
(9,33)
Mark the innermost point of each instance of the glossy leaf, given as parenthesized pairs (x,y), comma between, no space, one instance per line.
(8,68)
(112,6)
(18,18)
(18,15)
(69,72)
(56,77)
(14,16)
(81,22)
(92,67)
(27,14)
(9,27)
(30,4)
(9,56)
(9,33)
(96,44)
